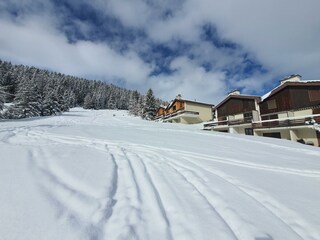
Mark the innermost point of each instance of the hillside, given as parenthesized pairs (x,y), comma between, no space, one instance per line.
(91,174)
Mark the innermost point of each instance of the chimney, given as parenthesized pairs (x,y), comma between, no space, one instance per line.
(234,92)
(291,78)
(178,96)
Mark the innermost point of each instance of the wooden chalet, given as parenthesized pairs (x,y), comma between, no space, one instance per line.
(291,111)
(235,114)
(186,111)
(160,112)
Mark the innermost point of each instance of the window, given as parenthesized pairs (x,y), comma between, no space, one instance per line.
(314,95)
(248,131)
(248,115)
(272,104)
(272,134)
(274,116)
(174,108)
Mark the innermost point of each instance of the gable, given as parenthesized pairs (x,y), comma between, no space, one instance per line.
(234,106)
(175,106)
(291,97)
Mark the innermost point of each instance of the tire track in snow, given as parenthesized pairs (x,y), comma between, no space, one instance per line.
(269,144)
(137,210)
(282,213)
(185,174)
(201,185)
(213,208)
(127,212)
(11,133)
(228,161)
(300,228)
(85,212)
(220,224)
(235,162)
(86,141)
(158,199)
(231,161)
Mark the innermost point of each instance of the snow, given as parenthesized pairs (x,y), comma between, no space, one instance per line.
(265,96)
(105,175)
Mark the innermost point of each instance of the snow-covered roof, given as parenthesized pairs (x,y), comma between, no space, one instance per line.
(285,84)
(240,96)
(266,95)
(185,100)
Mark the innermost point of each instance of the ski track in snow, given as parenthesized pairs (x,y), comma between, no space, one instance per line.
(87,141)
(134,203)
(278,211)
(269,204)
(87,213)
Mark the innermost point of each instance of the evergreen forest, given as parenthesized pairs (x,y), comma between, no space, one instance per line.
(32,92)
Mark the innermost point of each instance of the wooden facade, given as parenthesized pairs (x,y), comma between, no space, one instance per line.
(291,96)
(235,114)
(290,112)
(186,111)
(175,106)
(236,105)
(160,111)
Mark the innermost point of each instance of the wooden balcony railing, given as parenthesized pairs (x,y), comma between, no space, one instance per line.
(239,121)
(228,122)
(287,122)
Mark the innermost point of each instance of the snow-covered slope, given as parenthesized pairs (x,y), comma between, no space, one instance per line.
(106,175)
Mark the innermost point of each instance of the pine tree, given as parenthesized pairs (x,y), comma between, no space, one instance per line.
(8,82)
(134,104)
(99,99)
(112,102)
(25,102)
(150,107)
(71,99)
(2,98)
(52,100)
(36,92)
(40,91)
(2,101)
(67,101)
(88,102)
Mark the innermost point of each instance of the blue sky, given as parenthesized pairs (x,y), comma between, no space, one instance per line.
(199,48)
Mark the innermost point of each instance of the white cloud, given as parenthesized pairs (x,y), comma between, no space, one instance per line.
(282,35)
(190,80)
(36,42)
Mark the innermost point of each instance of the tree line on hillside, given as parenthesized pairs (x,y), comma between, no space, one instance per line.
(30,92)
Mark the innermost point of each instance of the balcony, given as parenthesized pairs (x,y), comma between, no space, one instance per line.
(188,116)
(227,123)
(180,113)
(159,117)
(239,121)
(287,122)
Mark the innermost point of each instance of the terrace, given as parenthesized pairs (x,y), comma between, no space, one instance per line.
(246,118)
(287,122)
(180,113)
